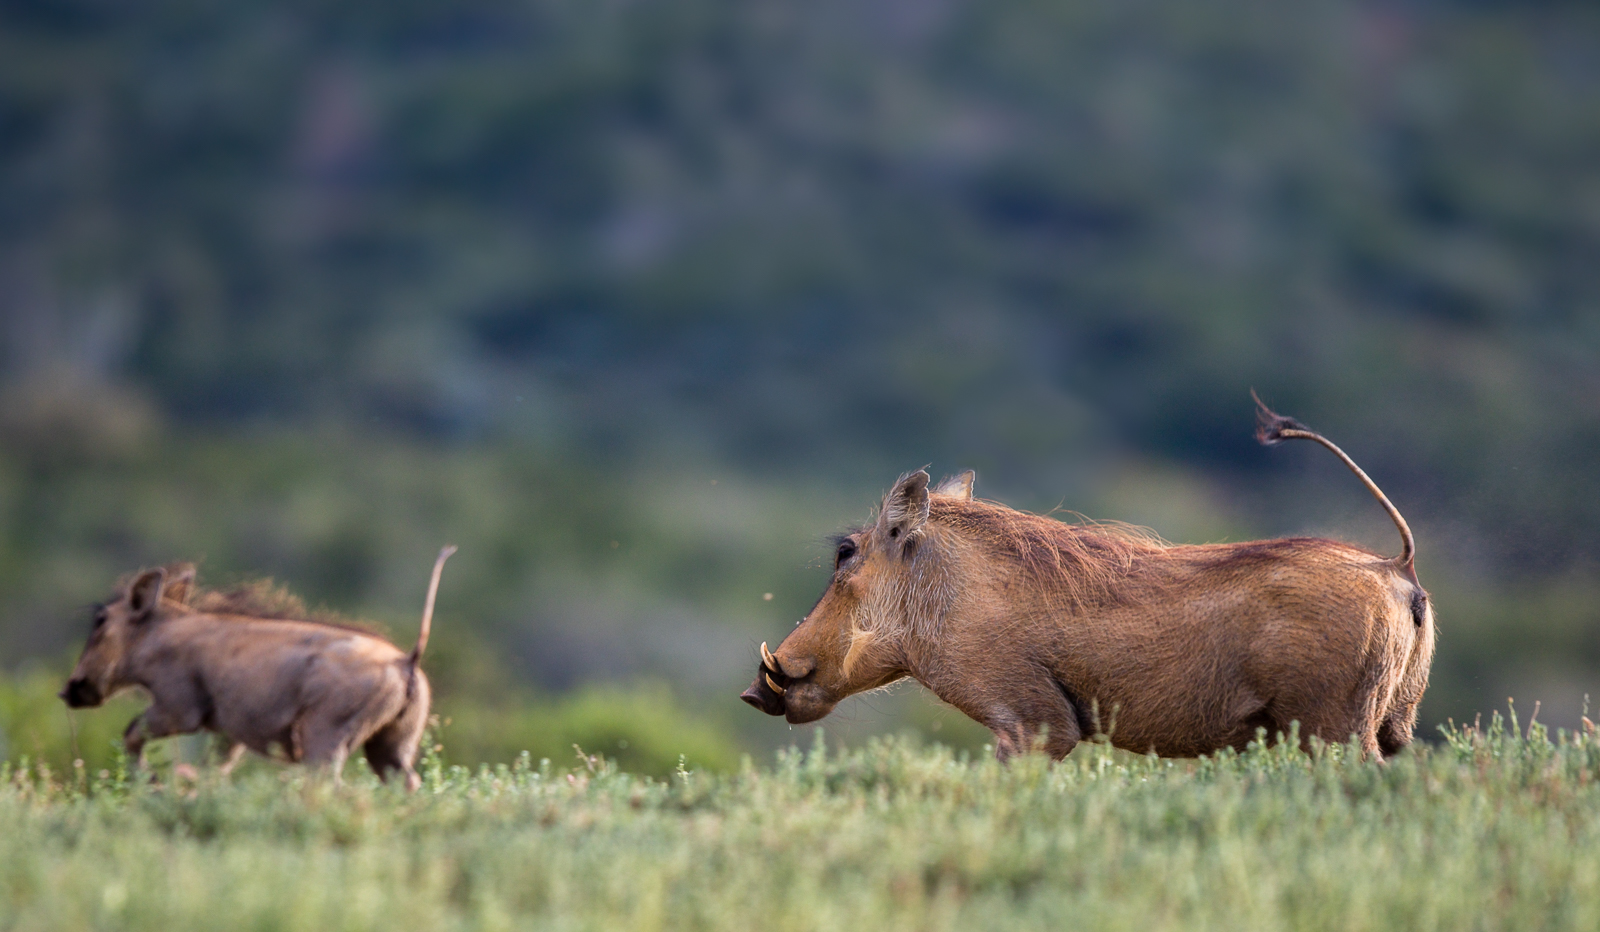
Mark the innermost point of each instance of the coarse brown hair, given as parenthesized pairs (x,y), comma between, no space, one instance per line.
(1092,562)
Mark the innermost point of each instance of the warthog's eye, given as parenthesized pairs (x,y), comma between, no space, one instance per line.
(99,616)
(847,549)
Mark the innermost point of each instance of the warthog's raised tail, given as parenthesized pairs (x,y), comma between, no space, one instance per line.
(427,608)
(1273,428)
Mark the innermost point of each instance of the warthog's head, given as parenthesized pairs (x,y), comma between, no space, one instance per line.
(889,581)
(118,626)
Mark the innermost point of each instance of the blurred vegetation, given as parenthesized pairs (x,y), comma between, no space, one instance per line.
(642,730)
(637,301)
(36,725)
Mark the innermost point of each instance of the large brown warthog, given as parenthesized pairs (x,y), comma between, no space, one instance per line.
(1034,627)
(230,663)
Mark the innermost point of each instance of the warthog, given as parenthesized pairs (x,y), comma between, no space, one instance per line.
(1045,631)
(232,664)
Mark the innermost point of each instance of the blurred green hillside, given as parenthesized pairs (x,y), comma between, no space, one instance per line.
(638,301)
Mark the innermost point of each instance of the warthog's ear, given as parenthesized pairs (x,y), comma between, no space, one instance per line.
(958,486)
(906,508)
(145,593)
(180,579)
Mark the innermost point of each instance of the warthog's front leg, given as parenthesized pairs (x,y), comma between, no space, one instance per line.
(324,744)
(1056,735)
(234,755)
(134,738)
(1021,715)
(155,722)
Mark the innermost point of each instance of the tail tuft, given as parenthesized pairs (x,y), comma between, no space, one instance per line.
(1270,425)
(1273,428)
(1419,602)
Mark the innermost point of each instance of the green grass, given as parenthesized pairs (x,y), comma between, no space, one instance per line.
(1490,830)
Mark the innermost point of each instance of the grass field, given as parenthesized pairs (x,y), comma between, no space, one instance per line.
(1492,829)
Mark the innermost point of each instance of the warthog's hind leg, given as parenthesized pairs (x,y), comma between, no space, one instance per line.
(1394,735)
(1338,725)
(394,748)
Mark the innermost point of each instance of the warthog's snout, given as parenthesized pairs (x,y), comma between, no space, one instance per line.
(766,693)
(81,694)
(762,696)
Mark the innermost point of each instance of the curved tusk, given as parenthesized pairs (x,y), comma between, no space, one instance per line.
(768,660)
(773,683)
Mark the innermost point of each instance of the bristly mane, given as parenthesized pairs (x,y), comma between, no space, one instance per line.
(262,599)
(1087,560)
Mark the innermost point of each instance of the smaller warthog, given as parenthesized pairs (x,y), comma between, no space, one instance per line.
(248,666)
(1049,632)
